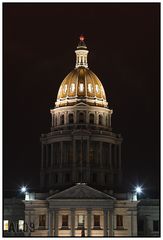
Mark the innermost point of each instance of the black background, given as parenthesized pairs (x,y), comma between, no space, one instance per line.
(124,43)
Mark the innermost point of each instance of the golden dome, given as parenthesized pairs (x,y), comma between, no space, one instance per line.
(81,84)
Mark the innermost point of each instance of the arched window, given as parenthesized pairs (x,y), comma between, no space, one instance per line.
(81,117)
(91,118)
(100,120)
(71,118)
(62,119)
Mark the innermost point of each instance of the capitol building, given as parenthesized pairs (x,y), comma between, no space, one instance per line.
(81,170)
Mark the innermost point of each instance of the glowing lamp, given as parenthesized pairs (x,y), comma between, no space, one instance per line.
(81,38)
(23,189)
(138,189)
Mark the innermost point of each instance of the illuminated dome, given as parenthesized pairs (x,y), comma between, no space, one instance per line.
(81,84)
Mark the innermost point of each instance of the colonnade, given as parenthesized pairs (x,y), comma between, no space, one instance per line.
(107,227)
(80,154)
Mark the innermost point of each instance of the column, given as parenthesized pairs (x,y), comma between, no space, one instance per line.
(50,224)
(42,155)
(61,146)
(89,213)
(100,153)
(119,156)
(110,223)
(56,223)
(88,163)
(110,155)
(46,155)
(105,222)
(52,154)
(74,161)
(72,222)
(115,155)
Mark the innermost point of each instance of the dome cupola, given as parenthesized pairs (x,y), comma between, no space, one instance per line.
(81,84)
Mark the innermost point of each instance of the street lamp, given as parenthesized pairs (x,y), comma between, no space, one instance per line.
(138,190)
(23,189)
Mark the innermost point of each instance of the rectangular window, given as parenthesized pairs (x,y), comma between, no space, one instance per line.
(155,225)
(5,225)
(141,225)
(94,176)
(80,220)
(119,221)
(64,220)
(96,220)
(21,225)
(42,220)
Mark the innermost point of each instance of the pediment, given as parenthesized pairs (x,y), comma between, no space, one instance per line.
(81,191)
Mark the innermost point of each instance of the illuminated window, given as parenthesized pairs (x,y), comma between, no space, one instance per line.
(96,220)
(81,87)
(64,220)
(5,225)
(80,220)
(72,87)
(21,225)
(90,88)
(65,88)
(119,221)
(97,88)
(42,220)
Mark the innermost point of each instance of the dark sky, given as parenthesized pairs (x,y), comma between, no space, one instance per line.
(39,42)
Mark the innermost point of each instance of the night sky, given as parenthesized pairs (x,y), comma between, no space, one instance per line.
(39,41)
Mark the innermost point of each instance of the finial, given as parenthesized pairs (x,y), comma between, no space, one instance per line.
(81,37)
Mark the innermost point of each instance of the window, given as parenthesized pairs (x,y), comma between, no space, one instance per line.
(94,177)
(64,220)
(62,119)
(67,177)
(155,225)
(91,118)
(106,178)
(80,220)
(90,88)
(141,225)
(119,221)
(81,117)
(81,87)
(42,220)
(71,118)
(96,220)
(21,225)
(56,178)
(100,120)
(97,88)
(72,87)
(65,88)
(5,225)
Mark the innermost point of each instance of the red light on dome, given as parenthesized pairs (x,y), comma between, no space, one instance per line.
(81,38)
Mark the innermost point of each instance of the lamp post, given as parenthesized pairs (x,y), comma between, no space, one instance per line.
(138,191)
